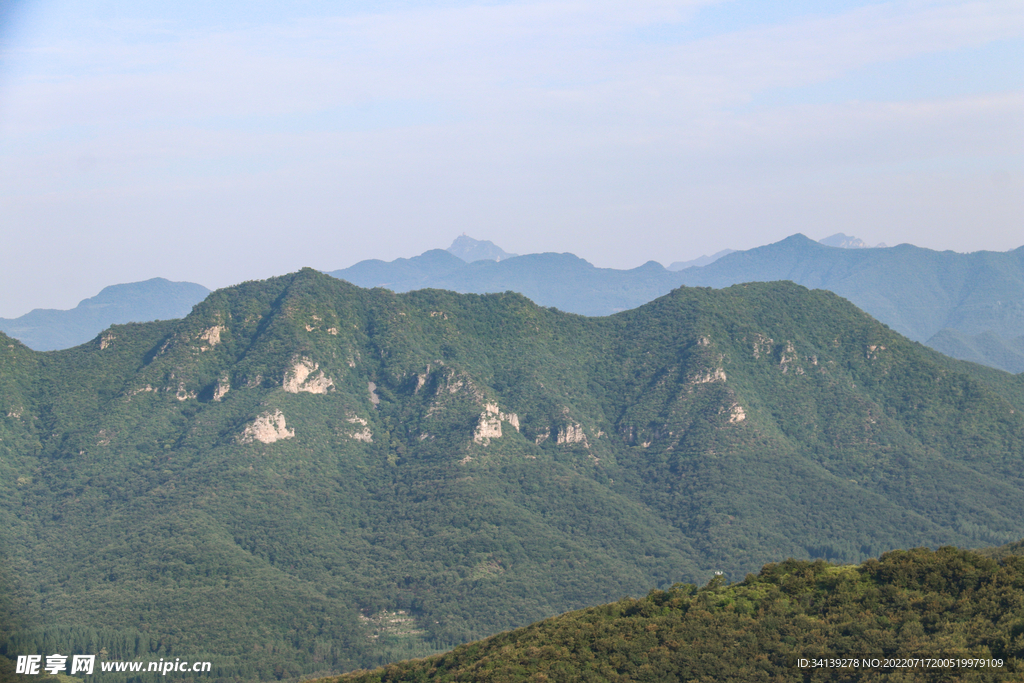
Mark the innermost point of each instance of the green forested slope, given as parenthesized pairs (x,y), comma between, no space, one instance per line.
(952,606)
(305,476)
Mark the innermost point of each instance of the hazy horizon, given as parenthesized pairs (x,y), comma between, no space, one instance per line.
(666,265)
(241,141)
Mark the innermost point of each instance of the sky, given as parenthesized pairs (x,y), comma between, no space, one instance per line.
(229,141)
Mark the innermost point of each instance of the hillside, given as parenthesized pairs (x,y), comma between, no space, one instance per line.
(953,606)
(306,476)
(155,299)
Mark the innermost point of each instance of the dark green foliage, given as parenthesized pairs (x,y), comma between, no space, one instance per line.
(708,430)
(918,603)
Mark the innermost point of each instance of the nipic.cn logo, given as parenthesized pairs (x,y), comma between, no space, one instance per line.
(84,664)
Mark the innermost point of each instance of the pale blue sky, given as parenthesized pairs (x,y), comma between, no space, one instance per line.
(219,142)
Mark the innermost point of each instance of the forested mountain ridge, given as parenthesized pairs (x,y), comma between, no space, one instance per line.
(964,305)
(394,474)
(955,608)
(921,293)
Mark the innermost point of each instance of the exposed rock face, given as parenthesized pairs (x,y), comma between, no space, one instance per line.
(106,340)
(737,414)
(489,425)
(267,428)
(571,433)
(762,344)
(212,335)
(300,377)
(184,394)
(788,357)
(223,387)
(363,434)
(716,375)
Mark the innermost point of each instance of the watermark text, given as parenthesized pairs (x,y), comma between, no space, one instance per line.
(85,664)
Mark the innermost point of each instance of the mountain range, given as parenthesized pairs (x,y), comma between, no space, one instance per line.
(305,476)
(917,292)
(968,306)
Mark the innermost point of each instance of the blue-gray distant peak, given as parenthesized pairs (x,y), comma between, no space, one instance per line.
(700,261)
(847,242)
(564,281)
(404,274)
(916,291)
(987,348)
(154,299)
(469,250)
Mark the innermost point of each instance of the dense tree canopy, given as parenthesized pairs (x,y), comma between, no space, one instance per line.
(303,476)
(916,615)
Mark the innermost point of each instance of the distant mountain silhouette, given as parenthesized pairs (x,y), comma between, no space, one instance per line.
(847,242)
(701,261)
(970,306)
(918,292)
(47,329)
(469,250)
(987,348)
(564,281)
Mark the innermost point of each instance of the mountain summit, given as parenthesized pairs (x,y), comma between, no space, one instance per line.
(470,250)
(848,242)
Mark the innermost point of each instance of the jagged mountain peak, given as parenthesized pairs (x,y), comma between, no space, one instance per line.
(469,250)
(844,241)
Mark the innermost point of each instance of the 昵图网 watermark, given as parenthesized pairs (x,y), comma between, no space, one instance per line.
(85,664)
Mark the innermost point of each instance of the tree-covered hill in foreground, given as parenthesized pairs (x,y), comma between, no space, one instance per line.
(917,615)
(304,476)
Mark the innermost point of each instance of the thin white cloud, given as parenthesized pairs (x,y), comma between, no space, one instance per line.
(539,57)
